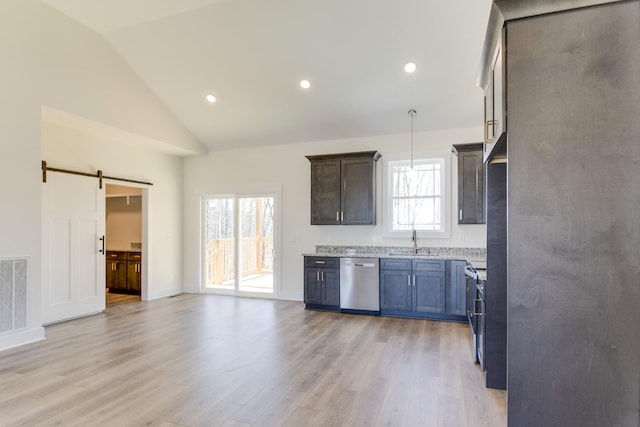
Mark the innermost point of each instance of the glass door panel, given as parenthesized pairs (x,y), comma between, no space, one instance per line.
(220,245)
(256,243)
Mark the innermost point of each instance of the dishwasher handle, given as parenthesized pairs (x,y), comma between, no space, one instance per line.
(364,264)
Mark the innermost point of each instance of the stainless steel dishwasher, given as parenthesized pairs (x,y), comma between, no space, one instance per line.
(359,284)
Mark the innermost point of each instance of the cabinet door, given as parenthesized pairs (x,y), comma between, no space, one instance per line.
(331,286)
(499,121)
(456,288)
(133,276)
(395,290)
(312,286)
(470,187)
(116,275)
(429,292)
(325,192)
(495,101)
(358,180)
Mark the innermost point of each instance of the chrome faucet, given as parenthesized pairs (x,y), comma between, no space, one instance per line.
(414,239)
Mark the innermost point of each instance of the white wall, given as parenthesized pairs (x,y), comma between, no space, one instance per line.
(68,148)
(49,60)
(286,166)
(123,223)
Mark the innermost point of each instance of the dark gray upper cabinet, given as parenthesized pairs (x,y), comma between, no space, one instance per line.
(471,174)
(343,188)
(495,108)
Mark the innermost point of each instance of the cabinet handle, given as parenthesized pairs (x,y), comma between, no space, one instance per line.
(409,280)
(460,215)
(337,215)
(342,216)
(322,275)
(414,280)
(321,262)
(486,130)
(317,276)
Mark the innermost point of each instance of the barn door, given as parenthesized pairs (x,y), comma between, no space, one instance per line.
(73,262)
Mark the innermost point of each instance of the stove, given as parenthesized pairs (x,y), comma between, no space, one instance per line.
(476,279)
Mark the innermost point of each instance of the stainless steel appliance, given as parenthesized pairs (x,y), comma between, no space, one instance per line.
(480,316)
(472,295)
(359,288)
(476,312)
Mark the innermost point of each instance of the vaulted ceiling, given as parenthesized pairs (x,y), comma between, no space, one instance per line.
(252,54)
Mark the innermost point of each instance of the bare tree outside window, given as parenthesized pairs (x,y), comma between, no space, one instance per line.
(252,245)
(417,195)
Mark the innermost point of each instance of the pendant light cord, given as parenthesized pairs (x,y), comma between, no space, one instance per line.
(412,114)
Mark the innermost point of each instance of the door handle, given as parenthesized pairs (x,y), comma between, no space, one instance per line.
(102,250)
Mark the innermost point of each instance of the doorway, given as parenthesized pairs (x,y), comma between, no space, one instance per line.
(239,248)
(124,237)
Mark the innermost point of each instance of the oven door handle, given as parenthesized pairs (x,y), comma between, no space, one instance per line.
(478,303)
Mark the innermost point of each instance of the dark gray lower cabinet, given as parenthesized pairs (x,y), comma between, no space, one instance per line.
(412,288)
(322,282)
(423,288)
(456,299)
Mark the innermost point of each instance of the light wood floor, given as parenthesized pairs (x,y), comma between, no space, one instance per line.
(204,360)
(113,298)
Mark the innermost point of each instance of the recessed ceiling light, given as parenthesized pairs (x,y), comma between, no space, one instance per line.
(305,84)
(211,98)
(410,67)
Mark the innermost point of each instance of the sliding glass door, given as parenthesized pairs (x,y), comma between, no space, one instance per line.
(239,244)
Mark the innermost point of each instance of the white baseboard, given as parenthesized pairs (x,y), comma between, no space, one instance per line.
(291,296)
(22,337)
(164,294)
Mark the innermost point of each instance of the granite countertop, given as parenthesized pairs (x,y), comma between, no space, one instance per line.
(477,255)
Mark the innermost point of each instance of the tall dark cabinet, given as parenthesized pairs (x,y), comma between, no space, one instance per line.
(495,334)
(572,101)
(343,188)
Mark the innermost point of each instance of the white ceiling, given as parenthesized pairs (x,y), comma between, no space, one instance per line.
(251,54)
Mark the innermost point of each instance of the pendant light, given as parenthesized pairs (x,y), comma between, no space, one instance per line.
(412,113)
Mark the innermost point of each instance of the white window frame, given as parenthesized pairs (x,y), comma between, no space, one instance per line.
(267,191)
(444,158)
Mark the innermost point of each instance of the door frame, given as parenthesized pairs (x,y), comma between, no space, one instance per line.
(267,191)
(146,196)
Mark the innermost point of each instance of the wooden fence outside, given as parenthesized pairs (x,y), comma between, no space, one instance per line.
(256,258)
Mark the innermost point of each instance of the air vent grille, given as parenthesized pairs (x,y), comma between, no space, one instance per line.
(13,294)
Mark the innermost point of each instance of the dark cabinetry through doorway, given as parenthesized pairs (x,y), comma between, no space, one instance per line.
(123,272)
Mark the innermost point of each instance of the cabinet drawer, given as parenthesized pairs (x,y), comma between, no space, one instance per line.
(395,264)
(313,261)
(428,265)
(134,256)
(116,255)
